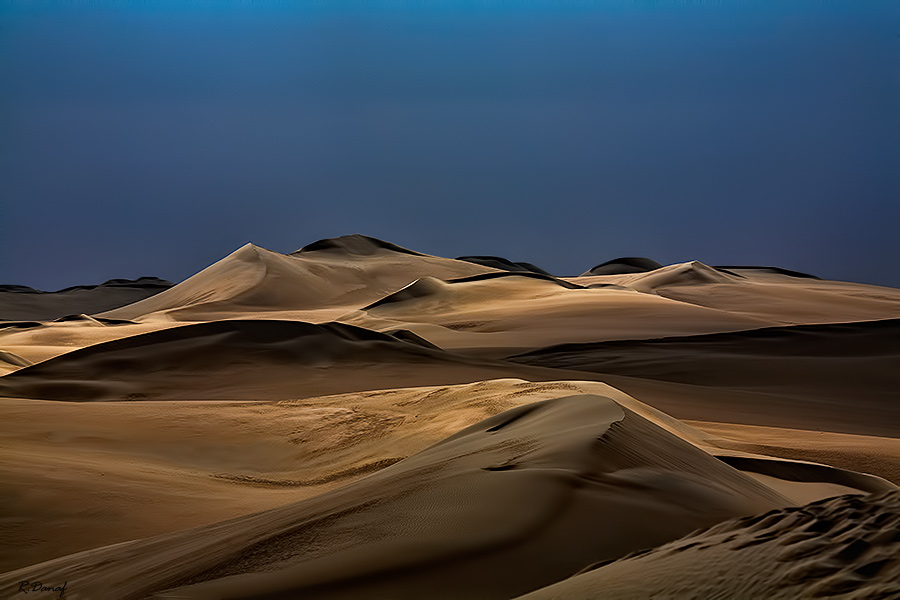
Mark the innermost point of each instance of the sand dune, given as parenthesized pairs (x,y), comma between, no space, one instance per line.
(499,313)
(136,469)
(37,341)
(21,303)
(686,274)
(813,371)
(848,547)
(492,314)
(357,419)
(504,264)
(131,470)
(779,296)
(247,359)
(344,272)
(449,521)
(621,266)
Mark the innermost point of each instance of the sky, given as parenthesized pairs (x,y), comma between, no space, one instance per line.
(152,138)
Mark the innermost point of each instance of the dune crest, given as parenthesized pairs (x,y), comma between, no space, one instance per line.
(683,274)
(586,464)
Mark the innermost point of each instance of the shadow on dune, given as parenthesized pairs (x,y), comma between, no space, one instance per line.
(498,262)
(21,303)
(845,547)
(248,359)
(624,265)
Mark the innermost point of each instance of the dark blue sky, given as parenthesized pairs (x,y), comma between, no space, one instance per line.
(153,138)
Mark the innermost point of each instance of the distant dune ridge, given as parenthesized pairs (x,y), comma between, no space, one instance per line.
(816,367)
(627,264)
(361,420)
(21,303)
(498,262)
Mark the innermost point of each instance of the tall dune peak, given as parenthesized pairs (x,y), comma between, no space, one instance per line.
(355,244)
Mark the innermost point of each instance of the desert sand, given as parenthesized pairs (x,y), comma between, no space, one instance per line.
(360,420)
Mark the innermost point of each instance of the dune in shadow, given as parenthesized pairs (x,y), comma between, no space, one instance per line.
(582,475)
(248,359)
(624,265)
(21,303)
(752,270)
(827,360)
(847,371)
(355,244)
(846,547)
(498,262)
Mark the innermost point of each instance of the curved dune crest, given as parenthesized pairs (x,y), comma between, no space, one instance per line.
(10,361)
(13,359)
(846,547)
(424,287)
(450,522)
(223,280)
(447,291)
(753,270)
(682,274)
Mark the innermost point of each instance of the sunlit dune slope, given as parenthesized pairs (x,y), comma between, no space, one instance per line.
(451,521)
(343,272)
(527,311)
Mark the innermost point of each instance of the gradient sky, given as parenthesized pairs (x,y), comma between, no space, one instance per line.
(155,137)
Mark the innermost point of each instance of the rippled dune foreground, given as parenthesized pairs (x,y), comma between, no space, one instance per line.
(360,420)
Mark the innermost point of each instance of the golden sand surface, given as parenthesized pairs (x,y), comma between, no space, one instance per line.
(359,420)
